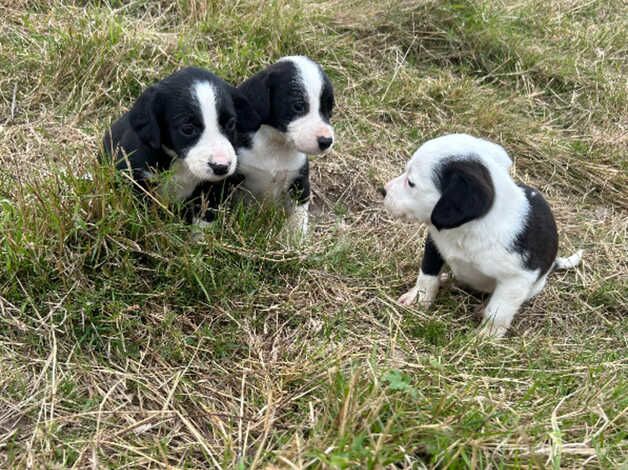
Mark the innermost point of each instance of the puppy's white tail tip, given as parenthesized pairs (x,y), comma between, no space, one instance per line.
(570,262)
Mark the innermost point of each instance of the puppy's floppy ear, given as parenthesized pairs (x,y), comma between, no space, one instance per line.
(467,193)
(257,90)
(247,118)
(144,117)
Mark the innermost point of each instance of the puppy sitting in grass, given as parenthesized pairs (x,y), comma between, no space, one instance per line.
(185,128)
(294,99)
(497,236)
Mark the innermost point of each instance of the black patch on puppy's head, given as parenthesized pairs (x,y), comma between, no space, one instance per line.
(279,96)
(145,116)
(467,193)
(246,117)
(168,113)
(327,99)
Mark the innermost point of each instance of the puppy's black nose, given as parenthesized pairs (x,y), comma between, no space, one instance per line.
(219,169)
(325,142)
(382,191)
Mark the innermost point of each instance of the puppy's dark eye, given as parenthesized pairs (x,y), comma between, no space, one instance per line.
(230,125)
(188,129)
(411,184)
(298,107)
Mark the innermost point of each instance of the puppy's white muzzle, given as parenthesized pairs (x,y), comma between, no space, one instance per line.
(311,136)
(396,199)
(211,162)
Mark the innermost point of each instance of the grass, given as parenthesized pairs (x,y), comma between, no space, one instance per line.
(125,341)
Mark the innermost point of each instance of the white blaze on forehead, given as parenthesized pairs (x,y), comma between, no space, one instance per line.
(304,131)
(206,97)
(311,79)
(212,145)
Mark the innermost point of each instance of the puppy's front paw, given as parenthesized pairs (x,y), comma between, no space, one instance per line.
(491,330)
(422,297)
(201,224)
(293,238)
(409,297)
(199,229)
(295,231)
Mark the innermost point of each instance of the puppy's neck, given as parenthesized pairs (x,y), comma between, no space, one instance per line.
(274,138)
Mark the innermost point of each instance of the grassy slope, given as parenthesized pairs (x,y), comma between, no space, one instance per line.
(123,341)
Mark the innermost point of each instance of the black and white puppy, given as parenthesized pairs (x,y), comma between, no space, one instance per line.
(496,236)
(187,124)
(294,99)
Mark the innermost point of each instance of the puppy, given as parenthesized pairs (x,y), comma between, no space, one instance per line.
(294,99)
(186,125)
(496,236)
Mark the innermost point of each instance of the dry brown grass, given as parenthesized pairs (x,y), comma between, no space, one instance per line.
(122,343)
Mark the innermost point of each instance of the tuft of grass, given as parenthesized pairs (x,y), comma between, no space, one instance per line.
(127,338)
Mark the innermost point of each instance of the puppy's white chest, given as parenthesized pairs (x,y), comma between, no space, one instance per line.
(269,169)
(464,264)
(469,274)
(179,184)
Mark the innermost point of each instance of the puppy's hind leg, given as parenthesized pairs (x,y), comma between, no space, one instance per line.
(428,281)
(537,286)
(504,303)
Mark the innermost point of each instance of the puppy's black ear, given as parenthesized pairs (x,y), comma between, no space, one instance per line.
(467,193)
(257,90)
(247,118)
(144,117)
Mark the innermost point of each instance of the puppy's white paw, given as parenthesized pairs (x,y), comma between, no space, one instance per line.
(199,228)
(409,297)
(414,295)
(295,232)
(293,238)
(424,291)
(491,330)
(201,223)
(425,299)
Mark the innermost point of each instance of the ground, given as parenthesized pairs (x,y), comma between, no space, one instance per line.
(126,341)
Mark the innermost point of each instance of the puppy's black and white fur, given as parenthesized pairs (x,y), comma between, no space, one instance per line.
(495,235)
(294,99)
(187,124)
